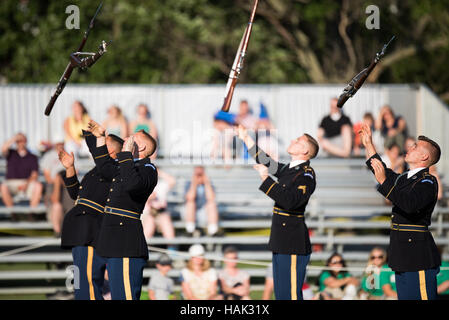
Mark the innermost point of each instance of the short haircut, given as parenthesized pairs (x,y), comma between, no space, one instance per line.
(116,138)
(230,249)
(435,150)
(314,144)
(152,141)
(117,141)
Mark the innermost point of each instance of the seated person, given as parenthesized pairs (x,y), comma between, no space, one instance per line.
(233,282)
(198,279)
(246,119)
(155,214)
(161,286)
(378,281)
(223,135)
(393,158)
(200,201)
(22,172)
(393,128)
(55,192)
(116,122)
(377,138)
(337,284)
(73,126)
(265,135)
(335,133)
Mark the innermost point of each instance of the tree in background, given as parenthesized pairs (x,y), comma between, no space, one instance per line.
(194,41)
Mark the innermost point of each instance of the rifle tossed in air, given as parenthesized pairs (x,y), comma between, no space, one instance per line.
(237,66)
(76,61)
(357,82)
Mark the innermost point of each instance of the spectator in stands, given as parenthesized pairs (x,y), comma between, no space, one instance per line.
(409,143)
(233,282)
(22,172)
(54,187)
(156,214)
(393,128)
(246,118)
(393,158)
(198,279)
(143,121)
(358,147)
(161,286)
(443,278)
(337,284)
(73,125)
(268,289)
(116,122)
(378,281)
(200,201)
(265,134)
(335,133)
(223,135)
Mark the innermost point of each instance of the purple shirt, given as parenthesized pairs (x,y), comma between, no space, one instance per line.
(20,167)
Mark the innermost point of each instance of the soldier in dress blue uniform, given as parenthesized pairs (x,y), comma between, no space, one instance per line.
(121,239)
(289,238)
(412,252)
(81,224)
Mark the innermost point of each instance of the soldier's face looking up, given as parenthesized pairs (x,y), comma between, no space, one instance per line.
(417,153)
(299,146)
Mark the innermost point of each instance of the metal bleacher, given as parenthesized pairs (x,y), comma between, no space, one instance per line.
(345,214)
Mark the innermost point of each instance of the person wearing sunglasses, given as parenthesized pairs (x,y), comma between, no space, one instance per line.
(22,173)
(335,282)
(378,282)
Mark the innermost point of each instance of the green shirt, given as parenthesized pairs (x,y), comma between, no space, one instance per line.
(387,277)
(372,284)
(327,274)
(443,275)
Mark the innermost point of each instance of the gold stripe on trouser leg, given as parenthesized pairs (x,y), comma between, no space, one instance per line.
(293,277)
(422,285)
(90,258)
(126,282)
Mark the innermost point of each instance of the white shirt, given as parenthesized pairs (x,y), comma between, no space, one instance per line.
(414,171)
(295,163)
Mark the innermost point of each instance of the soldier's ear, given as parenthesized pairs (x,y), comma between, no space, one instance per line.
(425,157)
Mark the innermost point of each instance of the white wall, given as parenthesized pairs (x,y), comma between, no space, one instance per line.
(187,110)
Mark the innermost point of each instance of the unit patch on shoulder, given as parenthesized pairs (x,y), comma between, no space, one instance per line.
(308,175)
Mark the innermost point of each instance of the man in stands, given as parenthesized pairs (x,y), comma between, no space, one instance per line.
(21,173)
(335,133)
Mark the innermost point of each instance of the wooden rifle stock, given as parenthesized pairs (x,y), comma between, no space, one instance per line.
(356,83)
(69,69)
(237,66)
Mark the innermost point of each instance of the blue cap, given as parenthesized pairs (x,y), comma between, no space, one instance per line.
(225,116)
(263,112)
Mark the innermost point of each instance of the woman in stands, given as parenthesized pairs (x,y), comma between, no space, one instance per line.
(116,123)
(336,283)
(198,279)
(378,282)
(73,125)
